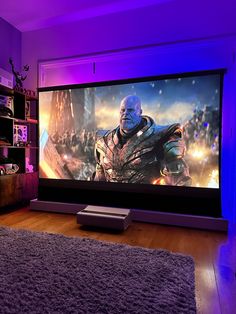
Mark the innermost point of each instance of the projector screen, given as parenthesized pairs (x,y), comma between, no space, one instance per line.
(157,136)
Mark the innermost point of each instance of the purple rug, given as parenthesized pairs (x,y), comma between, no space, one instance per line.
(50,273)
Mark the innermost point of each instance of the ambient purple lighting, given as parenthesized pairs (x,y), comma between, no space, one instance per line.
(9,34)
(127,65)
(46,14)
(167,38)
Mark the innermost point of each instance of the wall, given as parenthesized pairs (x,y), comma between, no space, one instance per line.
(10,45)
(189,37)
(168,22)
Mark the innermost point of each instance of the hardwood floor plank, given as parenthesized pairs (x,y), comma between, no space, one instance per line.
(225,272)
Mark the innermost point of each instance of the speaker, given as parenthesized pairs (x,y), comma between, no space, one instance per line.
(6,105)
(6,78)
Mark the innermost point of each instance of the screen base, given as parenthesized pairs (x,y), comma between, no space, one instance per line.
(190,221)
(57,207)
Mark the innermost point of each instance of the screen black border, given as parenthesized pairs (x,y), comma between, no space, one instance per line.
(184,200)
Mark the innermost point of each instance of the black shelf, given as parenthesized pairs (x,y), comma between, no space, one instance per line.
(27,121)
(19,147)
(21,128)
(6,91)
(17,120)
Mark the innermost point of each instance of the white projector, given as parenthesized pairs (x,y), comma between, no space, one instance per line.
(105,217)
(6,78)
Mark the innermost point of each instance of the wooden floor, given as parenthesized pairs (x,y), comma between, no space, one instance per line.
(214,252)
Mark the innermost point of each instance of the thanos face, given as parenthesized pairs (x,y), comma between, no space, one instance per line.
(130,113)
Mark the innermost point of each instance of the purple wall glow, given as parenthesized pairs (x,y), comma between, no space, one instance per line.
(177,30)
(10,45)
(168,22)
(176,58)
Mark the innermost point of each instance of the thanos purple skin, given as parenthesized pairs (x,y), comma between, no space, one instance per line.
(139,151)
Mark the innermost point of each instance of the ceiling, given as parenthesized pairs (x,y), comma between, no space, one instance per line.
(28,15)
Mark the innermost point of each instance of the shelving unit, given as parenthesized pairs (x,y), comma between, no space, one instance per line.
(19,145)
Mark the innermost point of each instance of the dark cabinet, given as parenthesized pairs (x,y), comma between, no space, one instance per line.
(18,146)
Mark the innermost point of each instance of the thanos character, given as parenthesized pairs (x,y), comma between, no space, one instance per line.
(139,151)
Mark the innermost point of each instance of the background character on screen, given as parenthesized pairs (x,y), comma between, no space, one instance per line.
(139,151)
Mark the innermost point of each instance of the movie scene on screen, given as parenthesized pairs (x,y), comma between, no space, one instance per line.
(159,132)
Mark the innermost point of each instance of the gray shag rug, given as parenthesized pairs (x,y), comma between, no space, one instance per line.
(51,273)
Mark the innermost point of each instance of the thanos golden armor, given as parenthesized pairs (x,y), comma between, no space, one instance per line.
(139,151)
